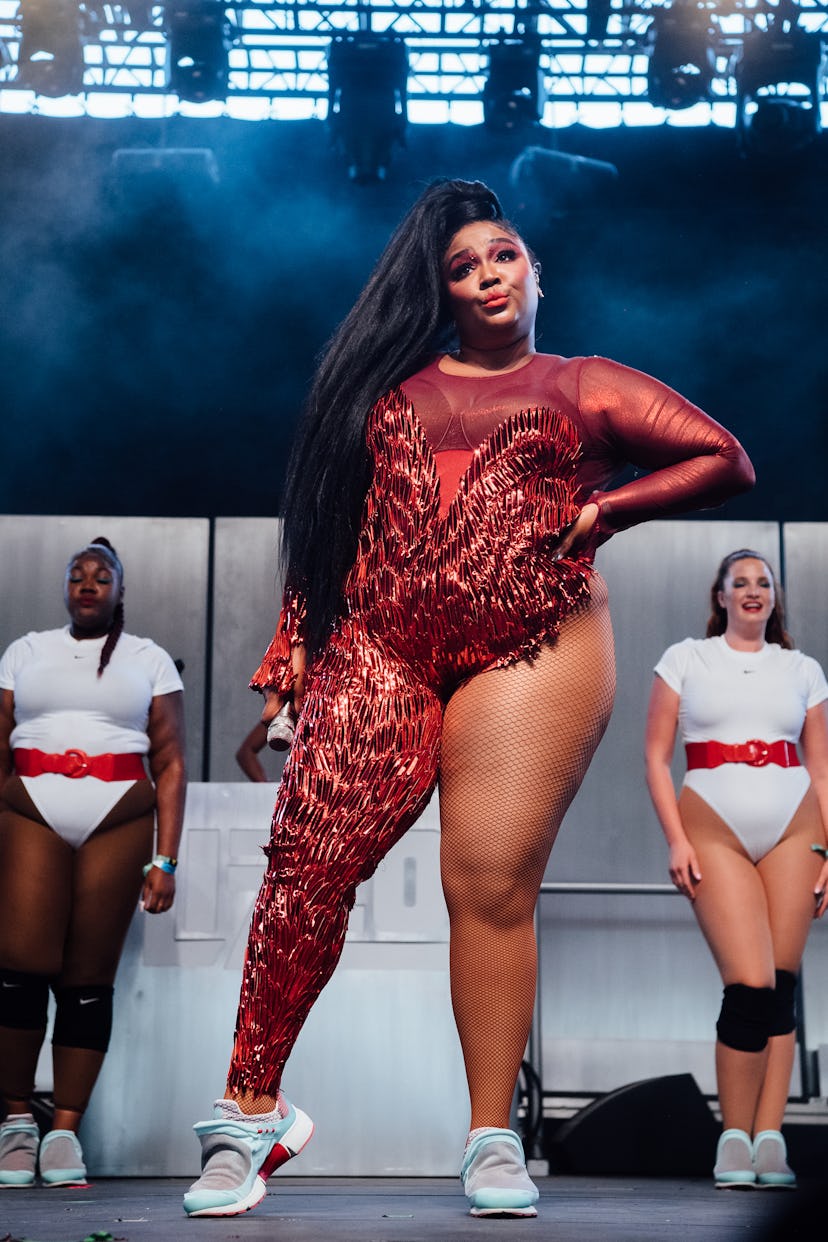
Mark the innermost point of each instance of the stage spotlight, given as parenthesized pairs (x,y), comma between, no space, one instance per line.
(199,37)
(780,80)
(514,94)
(50,55)
(367,101)
(682,56)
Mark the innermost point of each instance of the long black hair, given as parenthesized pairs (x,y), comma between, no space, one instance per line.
(775,631)
(400,320)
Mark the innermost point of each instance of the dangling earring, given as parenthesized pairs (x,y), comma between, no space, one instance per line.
(536,270)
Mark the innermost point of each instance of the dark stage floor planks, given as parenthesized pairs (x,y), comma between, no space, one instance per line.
(572,1209)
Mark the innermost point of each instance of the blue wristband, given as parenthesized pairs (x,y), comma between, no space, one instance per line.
(163,863)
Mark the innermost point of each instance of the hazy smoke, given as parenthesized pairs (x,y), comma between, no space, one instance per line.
(161,330)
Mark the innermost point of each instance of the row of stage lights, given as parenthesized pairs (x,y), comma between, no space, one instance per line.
(779,71)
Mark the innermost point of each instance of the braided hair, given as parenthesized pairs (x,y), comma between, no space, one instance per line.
(100,546)
(775,631)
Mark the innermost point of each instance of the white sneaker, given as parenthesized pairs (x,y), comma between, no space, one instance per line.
(770,1161)
(494,1176)
(733,1169)
(238,1154)
(61,1159)
(19,1137)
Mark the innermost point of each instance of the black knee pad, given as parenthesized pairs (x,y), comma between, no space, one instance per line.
(783,1019)
(24,1000)
(745,1017)
(83,1018)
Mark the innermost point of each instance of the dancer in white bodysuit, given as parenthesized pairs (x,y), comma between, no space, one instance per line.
(741,835)
(87,714)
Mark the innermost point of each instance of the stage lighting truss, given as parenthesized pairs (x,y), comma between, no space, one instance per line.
(589,53)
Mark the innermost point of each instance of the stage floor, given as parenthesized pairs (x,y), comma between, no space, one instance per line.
(572,1209)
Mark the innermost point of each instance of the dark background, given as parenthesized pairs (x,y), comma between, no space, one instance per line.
(159,334)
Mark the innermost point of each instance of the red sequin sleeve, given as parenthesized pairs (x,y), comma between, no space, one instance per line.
(276,669)
(693,462)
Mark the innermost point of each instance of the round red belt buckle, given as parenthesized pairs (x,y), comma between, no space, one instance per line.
(758,752)
(79,762)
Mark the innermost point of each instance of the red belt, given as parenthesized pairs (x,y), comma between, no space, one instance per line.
(78,763)
(754,752)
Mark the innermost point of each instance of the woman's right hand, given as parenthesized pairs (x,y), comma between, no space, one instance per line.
(579,534)
(684,868)
(158,892)
(274,700)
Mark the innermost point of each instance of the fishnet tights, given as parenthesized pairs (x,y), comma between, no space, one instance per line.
(251,1104)
(64,914)
(516,745)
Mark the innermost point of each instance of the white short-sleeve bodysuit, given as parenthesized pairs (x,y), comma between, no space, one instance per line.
(734,696)
(61,704)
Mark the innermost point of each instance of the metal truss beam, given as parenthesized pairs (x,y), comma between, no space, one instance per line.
(279,47)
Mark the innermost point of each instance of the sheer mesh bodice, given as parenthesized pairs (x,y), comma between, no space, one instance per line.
(620,416)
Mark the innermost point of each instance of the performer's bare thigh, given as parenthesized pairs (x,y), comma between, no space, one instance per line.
(66,911)
(754,916)
(789,873)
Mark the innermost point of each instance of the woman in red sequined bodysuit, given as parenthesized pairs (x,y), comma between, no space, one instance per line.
(442,619)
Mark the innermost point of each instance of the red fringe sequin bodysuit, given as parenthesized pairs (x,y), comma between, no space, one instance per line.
(474,479)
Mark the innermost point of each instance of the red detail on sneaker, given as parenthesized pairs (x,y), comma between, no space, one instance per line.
(277,1157)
